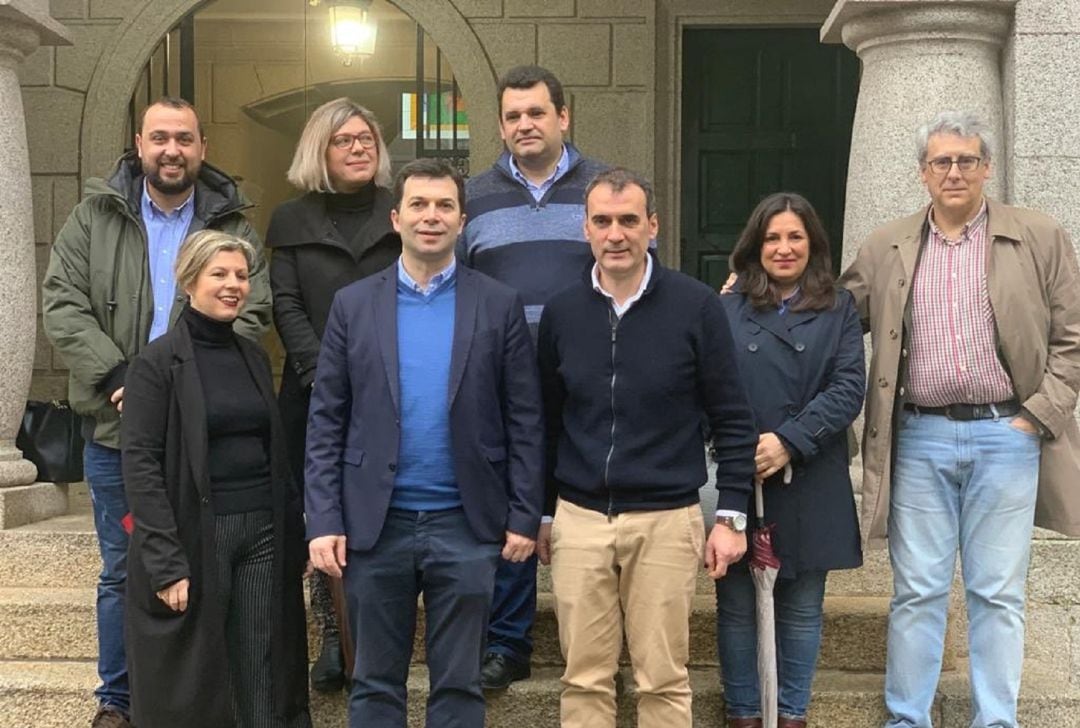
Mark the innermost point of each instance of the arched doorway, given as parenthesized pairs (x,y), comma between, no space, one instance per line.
(106,118)
(257,68)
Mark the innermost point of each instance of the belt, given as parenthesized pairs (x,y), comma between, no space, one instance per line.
(965,412)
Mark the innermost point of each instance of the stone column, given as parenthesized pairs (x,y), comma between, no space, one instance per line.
(918,58)
(24,25)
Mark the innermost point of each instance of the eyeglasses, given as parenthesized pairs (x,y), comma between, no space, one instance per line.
(346,141)
(942,165)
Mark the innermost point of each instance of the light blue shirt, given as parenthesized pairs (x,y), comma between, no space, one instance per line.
(785,304)
(165,231)
(437,281)
(538,191)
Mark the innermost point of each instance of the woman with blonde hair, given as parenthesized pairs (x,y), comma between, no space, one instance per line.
(336,232)
(215,606)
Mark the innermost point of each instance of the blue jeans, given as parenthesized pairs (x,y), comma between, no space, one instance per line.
(436,553)
(972,486)
(798,608)
(513,610)
(105,479)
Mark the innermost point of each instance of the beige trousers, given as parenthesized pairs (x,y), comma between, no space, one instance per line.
(635,571)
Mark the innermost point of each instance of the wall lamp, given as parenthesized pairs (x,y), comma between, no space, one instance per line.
(352,31)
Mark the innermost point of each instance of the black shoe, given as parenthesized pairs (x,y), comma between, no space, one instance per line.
(499,670)
(328,672)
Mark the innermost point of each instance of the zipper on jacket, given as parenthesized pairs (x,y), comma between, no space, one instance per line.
(614,321)
(140,225)
(144,274)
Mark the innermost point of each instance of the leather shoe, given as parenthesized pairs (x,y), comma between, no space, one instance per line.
(328,672)
(744,723)
(790,723)
(109,717)
(499,670)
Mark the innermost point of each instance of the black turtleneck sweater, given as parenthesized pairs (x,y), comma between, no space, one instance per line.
(350,211)
(237,419)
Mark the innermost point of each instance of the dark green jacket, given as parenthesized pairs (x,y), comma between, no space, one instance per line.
(97,303)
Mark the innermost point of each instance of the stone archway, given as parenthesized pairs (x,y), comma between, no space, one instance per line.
(115,75)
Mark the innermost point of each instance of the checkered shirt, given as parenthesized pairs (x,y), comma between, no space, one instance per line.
(954,355)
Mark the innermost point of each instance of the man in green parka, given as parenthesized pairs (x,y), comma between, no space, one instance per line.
(108,291)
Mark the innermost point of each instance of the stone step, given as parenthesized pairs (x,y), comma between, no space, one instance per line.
(853,635)
(57,552)
(70,546)
(23,504)
(59,623)
(47,623)
(60,695)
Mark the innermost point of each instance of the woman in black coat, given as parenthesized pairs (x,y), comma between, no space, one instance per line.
(215,627)
(799,346)
(339,231)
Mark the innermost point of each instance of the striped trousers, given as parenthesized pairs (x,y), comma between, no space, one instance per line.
(245,557)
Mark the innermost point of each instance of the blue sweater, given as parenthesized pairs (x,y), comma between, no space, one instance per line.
(424,479)
(536,247)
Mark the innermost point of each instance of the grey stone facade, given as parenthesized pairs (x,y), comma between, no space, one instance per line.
(1015,61)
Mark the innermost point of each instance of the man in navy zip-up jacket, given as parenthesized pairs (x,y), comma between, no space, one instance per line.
(632,359)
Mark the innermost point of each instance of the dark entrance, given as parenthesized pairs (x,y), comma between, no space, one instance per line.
(763,111)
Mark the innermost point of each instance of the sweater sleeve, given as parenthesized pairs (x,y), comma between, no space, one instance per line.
(554,394)
(731,421)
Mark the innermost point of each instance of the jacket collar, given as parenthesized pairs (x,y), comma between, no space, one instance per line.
(466,300)
(216,193)
(312,224)
(503,162)
(658,272)
(912,231)
(1001,225)
(1002,222)
(779,326)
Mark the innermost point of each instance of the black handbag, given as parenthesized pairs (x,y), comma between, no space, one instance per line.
(51,438)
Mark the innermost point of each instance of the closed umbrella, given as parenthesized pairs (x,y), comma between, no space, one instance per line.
(764,566)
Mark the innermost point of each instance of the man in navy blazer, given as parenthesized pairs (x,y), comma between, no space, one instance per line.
(424,456)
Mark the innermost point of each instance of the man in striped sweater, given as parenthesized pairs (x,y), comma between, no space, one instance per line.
(524,222)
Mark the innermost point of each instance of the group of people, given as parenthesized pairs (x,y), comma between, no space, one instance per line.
(482,375)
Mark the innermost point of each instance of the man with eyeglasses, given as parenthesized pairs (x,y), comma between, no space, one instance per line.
(974,311)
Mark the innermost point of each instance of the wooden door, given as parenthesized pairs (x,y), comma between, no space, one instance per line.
(763,111)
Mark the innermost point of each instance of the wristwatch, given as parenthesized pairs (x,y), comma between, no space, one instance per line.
(735,523)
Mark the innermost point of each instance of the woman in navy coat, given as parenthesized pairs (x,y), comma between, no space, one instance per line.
(799,347)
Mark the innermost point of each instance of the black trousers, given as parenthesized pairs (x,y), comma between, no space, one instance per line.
(245,556)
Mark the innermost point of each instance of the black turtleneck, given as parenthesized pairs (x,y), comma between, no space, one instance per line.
(350,211)
(237,419)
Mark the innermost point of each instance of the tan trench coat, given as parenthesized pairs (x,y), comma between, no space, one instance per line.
(1035,296)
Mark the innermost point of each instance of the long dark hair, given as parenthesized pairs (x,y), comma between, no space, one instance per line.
(817,287)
